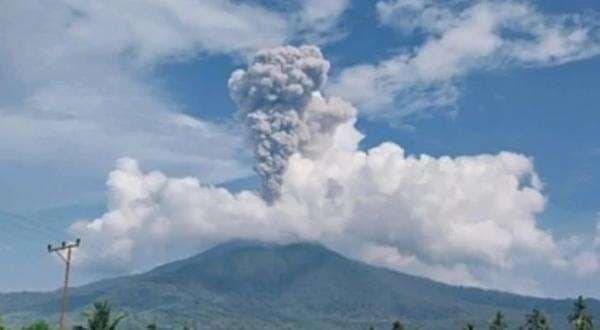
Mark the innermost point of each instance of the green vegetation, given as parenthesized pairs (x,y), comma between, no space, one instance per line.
(100,318)
(296,286)
(498,322)
(397,326)
(38,325)
(579,319)
(536,321)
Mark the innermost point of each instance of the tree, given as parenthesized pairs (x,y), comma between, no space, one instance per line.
(498,322)
(2,324)
(579,319)
(99,318)
(38,325)
(536,321)
(469,326)
(397,326)
(152,326)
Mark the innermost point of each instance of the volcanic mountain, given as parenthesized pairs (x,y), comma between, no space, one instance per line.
(251,285)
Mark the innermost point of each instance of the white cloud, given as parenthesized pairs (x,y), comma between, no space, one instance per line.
(446,217)
(390,257)
(318,21)
(460,38)
(78,88)
(416,15)
(460,220)
(158,29)
(584,251)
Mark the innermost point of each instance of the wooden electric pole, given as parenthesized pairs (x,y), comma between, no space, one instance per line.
(67,259)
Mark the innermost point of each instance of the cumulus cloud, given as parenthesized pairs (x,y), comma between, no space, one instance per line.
(460,38)
(391,257)
(460,220)
(584,251)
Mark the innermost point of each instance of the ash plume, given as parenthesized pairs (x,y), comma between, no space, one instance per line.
(274,95)
(415,213)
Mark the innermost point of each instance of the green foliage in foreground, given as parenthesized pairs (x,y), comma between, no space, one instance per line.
(397,326)
(536,321)
(498,322)
(38,325)
(100,318)
(579,319)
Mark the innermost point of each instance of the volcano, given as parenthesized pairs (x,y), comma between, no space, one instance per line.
(254,285)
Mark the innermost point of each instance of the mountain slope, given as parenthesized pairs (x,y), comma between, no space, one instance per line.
(253,285)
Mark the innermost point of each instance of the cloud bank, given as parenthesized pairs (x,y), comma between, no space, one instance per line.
(463,220)
(79,90)
(460,37)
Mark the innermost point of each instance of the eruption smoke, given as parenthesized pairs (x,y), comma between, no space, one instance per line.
(467,220)
(280,103)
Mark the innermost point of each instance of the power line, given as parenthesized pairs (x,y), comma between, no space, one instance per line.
(33,224)
(67,259)
(27,226)
(21,230)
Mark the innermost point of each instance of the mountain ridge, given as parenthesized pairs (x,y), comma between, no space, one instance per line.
(255,285)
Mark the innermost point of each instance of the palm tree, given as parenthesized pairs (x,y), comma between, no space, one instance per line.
(38,325)
(498,322)
(469,326)
(397,326)
(99,318)
(536,321)
(579,319)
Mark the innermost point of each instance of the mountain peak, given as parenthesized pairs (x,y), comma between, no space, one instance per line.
(238,246)
(244,266)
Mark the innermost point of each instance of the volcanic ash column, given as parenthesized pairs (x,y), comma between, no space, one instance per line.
(273,95)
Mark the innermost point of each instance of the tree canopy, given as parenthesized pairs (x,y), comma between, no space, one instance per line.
(100,318)
(498,322)
(579,318)
(536,321)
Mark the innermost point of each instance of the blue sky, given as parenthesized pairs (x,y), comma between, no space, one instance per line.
(548,113)
(77,98)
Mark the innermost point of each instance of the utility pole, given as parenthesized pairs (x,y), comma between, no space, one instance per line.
(67,259)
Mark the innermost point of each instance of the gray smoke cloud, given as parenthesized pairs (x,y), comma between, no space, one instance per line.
(279,100)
